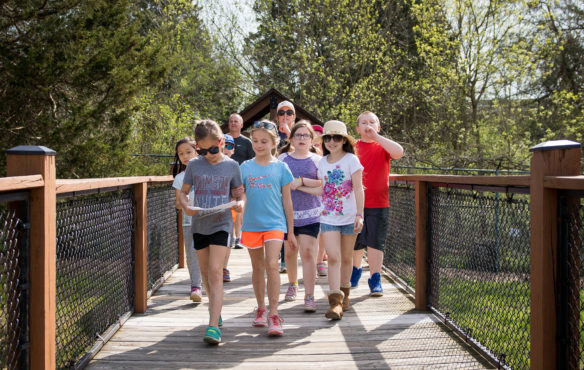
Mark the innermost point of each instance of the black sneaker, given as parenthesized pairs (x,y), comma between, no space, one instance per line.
(237,244)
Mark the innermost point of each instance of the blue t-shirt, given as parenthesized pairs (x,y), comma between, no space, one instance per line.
(263,188)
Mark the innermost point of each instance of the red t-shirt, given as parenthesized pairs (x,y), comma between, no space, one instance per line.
(376,163)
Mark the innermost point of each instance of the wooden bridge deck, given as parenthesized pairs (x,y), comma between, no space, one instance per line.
(383,333)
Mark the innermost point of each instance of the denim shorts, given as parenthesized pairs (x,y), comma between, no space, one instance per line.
(343,229)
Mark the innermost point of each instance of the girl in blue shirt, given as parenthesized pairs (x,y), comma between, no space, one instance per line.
(267,216)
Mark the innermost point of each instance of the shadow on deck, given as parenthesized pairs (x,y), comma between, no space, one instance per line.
(376,333)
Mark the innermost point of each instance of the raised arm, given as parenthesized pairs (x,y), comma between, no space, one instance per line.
(395,150)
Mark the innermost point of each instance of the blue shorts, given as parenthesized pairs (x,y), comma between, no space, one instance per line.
(343,229)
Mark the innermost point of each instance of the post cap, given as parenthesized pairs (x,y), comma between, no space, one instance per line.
(31,150)
(555,144)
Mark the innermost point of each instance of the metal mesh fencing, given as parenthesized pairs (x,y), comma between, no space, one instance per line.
(400,242)
(14,293)
(479,266)
(570,297)
(95,269)
(162,232)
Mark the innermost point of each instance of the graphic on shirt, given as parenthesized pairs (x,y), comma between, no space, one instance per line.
(334,189)
(252,182)
(210,191)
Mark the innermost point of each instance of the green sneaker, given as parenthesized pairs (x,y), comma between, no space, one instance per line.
(220,320)
(212,335)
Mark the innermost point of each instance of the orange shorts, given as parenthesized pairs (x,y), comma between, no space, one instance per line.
(256,239)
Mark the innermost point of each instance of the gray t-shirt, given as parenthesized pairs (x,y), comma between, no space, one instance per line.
(212,185)
(243,149)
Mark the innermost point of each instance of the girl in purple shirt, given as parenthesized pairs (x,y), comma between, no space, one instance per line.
(307,208)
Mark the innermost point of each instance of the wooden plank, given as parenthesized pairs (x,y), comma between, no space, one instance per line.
(422,265)
(522,180)
(71,185)
(564,182)
(375,332)
(21,182)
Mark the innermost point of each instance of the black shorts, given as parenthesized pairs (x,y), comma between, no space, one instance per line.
(311,230)
(202,241)
(374,229)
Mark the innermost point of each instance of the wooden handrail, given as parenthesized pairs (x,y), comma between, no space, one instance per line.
(520,180)
(71,185)
(564,182)
(21,182)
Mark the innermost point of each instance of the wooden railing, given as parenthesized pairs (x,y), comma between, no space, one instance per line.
(33,169)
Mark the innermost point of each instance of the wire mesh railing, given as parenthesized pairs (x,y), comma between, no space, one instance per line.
(14,281)
(479,268)
(570,297)
(95,269)
(400,242)
(162,233)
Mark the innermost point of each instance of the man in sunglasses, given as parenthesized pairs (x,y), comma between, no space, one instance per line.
(286,115)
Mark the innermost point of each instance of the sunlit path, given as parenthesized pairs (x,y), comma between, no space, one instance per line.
(376,333)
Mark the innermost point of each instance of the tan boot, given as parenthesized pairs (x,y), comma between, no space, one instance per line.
(346,301)
(335,311)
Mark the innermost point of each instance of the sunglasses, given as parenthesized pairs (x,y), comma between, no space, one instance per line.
(335,138)
(289,112)
(211,150)
(229,146)
(265,125)
(302,136)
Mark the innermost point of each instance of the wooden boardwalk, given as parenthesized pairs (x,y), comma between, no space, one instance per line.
(384,333)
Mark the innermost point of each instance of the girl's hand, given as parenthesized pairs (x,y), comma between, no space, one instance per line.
(358,225)
(237,193)
(238,207)
(296,183)
(292,241)
(370,133)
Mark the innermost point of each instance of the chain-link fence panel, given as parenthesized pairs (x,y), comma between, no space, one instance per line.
(95,269)
(400,243)
(479,266)
(14,293)
(162,232)
(570,297)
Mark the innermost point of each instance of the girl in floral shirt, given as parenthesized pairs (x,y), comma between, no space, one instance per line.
(342,215)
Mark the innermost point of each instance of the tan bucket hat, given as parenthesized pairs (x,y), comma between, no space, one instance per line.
(335,127)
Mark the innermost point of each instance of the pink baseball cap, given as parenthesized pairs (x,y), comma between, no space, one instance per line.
(317,128)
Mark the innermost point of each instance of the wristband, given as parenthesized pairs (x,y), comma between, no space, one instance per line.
(301,181)
(359,214)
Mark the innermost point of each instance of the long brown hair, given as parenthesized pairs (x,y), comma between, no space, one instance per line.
(177,166)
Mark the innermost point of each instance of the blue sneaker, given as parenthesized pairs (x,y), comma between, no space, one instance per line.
(212,335)
(375,285)
(355,276)
(220,321)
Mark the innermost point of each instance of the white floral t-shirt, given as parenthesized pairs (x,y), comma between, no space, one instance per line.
(338,198)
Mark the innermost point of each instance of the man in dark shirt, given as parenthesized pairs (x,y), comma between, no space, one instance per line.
(242,152)
(243,149)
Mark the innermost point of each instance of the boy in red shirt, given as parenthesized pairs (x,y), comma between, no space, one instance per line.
(375,153)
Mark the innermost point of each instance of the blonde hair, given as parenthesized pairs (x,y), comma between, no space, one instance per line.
(368,113)
(273,135)
(208,128)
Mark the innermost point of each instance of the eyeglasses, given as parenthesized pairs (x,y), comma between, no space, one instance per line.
(289,112)
(211,150)
(302,136)
(336,138)
(265,125)
(228,146)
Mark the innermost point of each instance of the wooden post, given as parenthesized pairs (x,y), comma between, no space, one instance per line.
(553,158)
(422,265)
(141,248)
(35,160)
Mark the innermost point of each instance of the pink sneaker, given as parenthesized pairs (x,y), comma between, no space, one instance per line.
(321,269)
(275,328)
(309,304)
(291,293)
(196,294)
(260,319)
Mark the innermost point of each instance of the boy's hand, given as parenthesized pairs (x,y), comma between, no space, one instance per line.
(369,133)
(292,241)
